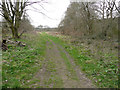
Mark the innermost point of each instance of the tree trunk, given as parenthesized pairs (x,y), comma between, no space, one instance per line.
(111,16)
(16,33)
(13,31)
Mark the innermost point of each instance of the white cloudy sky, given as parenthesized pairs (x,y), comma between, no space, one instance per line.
(54,9)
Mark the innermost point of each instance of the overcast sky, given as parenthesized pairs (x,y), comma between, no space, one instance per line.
(54,10)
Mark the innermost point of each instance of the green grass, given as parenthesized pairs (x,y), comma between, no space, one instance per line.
(102,73)
(20,63)
(55,80)
(70,68)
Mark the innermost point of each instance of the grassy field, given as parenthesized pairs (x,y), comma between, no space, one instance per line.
(21,63)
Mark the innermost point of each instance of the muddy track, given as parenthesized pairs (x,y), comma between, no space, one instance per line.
(62,71)
(53,54)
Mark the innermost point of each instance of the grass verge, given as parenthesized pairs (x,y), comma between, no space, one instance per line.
(20,63)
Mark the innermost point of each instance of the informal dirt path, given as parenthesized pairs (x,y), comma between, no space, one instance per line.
(68,82)
(56,74)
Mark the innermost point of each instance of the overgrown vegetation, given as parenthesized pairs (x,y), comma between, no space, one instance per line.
(91,20)
(20,63)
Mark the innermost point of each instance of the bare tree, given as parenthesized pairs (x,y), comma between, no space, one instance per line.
(110,7)
(13,12)
(79,17)
(95,19)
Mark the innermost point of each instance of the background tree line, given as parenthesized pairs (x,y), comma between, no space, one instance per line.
(91,19)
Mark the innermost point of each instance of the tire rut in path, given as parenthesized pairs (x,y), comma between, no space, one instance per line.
(81,76)
(53,53)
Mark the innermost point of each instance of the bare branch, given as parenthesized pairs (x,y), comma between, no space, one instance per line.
(117,8)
